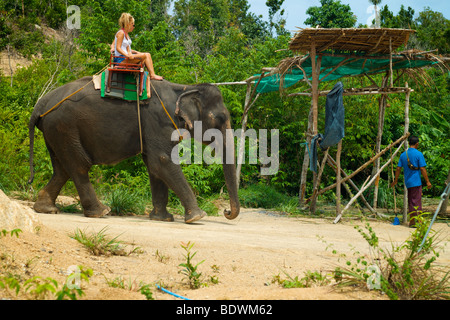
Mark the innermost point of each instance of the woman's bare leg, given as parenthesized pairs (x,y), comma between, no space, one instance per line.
(147,58)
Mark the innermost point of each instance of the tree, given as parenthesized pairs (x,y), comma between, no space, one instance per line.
(331,14)
(403,20)
(377,15)
(433,31)
(274,6)
(200,22)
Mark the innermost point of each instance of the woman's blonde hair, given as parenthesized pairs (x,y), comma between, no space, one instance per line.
(125,20)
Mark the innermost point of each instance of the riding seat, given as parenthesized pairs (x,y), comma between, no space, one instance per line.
(116,69)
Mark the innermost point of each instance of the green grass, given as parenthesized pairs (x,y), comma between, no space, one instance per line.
(101,244)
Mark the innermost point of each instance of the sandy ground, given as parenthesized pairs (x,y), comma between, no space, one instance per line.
(244,255)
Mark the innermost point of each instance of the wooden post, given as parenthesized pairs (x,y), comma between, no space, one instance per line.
(312,123)
(390,62)
(315,87)
(381,111)
(315,66)
(317,183)
(305,166)
(405,191)
(338,179)
(242,139)
(443,210)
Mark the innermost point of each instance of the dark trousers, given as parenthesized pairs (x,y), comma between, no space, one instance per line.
(414,204)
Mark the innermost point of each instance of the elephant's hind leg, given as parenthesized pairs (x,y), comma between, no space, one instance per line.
(45,202)
(78,169)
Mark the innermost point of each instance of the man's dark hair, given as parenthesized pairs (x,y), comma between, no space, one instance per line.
(413,140)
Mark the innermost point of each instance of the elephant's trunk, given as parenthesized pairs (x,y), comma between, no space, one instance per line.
(229,171)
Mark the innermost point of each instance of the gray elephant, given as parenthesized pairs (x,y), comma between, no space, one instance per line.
(86,130)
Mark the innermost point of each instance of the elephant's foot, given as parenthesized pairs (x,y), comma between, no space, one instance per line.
(99,212)
(161,216)
(45,208)
(44,204)
(192,216)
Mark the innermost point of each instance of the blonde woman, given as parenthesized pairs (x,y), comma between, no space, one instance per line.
(122,47)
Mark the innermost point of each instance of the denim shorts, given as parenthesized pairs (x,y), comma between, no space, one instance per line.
(119,59)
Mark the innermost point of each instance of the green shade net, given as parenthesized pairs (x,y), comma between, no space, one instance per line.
(354,66)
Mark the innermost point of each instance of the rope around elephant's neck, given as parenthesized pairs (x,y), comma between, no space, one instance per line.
(162,103)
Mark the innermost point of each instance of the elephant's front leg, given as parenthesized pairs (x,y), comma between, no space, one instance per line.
(172,176)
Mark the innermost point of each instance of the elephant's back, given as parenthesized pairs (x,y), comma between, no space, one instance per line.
(67,91)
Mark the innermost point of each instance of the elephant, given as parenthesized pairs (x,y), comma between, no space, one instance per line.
(86,130)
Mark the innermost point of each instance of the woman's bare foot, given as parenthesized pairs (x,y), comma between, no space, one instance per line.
(155,77)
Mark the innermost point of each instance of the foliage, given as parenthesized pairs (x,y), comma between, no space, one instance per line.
(261,196)
(189,269)
(403,20)
(100,244)
(38,288)
(142,287)
(408,271)
(331,14)
(309,280)
(210,41)
(14,232)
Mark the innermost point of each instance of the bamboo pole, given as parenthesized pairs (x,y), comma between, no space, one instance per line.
(351,92)
(315,87)
(405,191)
(312,119)
(368,184)
(332,163)
(312,207)
(381,112)
(338,179)
(401,139)
(304,173)
(390,62)
(242,139)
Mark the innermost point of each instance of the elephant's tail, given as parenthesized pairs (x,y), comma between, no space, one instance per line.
(31,127)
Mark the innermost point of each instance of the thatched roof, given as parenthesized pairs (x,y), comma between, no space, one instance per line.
(366,40)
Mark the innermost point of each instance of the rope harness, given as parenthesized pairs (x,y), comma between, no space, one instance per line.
(138,106)
(162,103)
(59,103)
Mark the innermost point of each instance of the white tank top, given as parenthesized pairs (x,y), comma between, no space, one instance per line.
(125,44)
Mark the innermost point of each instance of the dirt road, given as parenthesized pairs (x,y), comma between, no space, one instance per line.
(244,255)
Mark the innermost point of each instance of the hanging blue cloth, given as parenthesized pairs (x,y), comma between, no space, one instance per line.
(334,124)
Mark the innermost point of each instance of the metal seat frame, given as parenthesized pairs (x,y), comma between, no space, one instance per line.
(116,67)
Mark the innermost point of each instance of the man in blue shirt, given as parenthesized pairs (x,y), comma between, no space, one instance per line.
(413,163)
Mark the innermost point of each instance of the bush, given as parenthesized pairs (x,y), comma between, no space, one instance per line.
(261,196)
(406,272)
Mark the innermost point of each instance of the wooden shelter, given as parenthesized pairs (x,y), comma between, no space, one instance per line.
(328,54)
(369,41)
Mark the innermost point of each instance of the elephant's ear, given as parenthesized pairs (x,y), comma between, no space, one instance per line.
(188,108)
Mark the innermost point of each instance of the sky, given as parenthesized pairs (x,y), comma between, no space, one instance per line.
(295,10)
